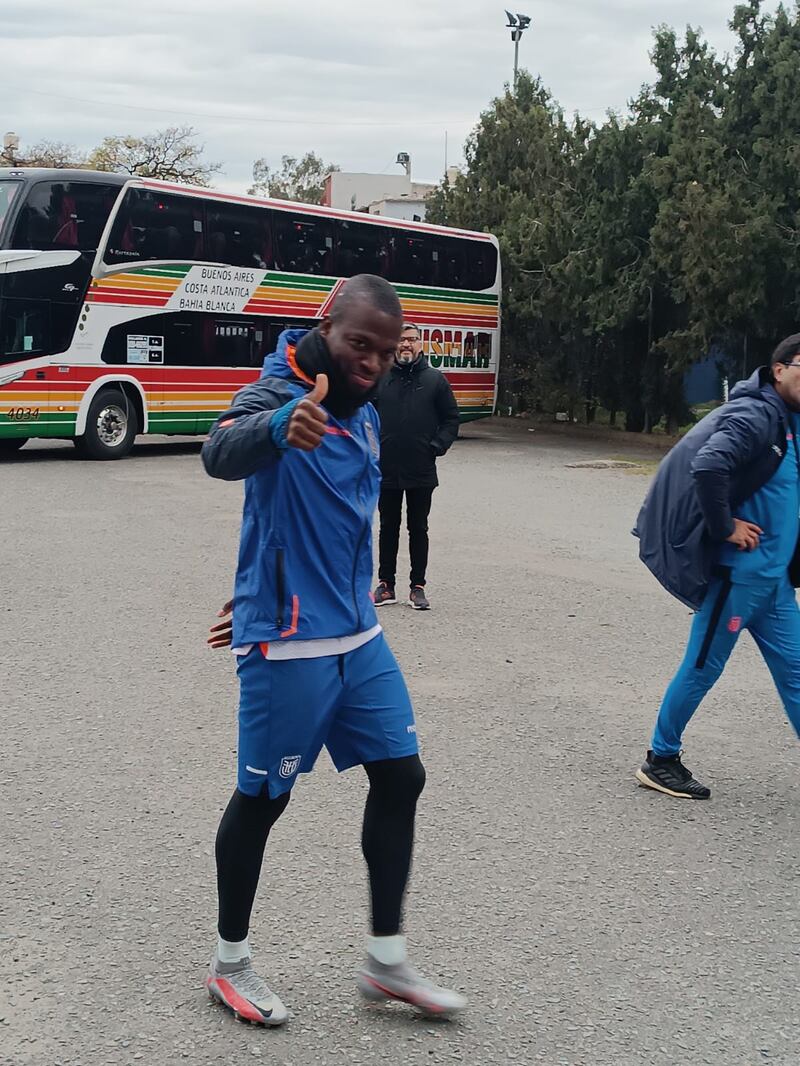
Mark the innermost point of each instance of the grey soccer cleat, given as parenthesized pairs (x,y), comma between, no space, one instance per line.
(378,982)
(238,987)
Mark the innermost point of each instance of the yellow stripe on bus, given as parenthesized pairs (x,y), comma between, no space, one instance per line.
(455,309)
(289,296)
(125,282)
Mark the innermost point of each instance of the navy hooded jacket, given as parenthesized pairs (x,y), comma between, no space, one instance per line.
(305,556)
(721,462)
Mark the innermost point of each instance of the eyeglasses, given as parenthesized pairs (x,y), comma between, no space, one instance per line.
(792,364)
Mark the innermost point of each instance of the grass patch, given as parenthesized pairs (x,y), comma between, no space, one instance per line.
(638,467)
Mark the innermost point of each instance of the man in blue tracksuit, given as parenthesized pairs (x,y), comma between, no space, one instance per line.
(719,529)
(314,668)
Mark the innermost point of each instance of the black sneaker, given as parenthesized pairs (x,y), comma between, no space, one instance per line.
(384,594)
(417,599)
(667,774)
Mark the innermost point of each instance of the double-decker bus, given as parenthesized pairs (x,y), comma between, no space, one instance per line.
(130,305)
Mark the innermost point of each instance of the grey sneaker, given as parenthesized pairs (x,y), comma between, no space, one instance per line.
(384,594)
(378,982)
(417,598)
(239,988)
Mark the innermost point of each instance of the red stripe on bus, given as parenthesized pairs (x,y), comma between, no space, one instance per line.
(273,307)
(123,298)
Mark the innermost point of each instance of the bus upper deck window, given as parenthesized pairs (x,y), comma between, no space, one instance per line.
(156,226)
(8,190)
(64,215)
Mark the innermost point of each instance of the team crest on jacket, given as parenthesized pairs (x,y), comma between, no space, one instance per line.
(372,438)
(289,765)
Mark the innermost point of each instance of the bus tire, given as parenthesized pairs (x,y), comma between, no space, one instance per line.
(111,426)
(11,445)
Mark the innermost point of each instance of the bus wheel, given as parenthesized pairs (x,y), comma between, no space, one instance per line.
(11,445)
(111,426)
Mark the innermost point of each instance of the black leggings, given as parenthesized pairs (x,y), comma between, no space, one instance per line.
(387,841)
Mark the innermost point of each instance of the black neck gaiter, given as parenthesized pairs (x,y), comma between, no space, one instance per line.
(314,357)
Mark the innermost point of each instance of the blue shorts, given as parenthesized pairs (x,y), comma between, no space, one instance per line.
(356,705)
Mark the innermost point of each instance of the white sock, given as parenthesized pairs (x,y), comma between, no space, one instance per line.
(388,950)
(233,950)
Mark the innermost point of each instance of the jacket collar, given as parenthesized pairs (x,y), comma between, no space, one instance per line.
(301,354)
(411,368)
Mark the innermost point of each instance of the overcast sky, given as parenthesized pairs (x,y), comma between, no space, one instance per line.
(355,80)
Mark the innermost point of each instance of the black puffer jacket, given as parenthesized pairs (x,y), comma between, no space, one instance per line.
(419,422)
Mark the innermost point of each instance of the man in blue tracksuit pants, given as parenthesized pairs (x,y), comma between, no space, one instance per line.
(719,528)
(314,667)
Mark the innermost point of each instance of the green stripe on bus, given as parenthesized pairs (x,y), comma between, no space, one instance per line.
(299,281)
(469,414)
(188,422)
(163,272)
(457,295)
(55,424)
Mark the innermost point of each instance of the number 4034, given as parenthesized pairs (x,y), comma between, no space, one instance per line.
(23,414)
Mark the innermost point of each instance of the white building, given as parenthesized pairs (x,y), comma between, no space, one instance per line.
(411,208)
(356,192)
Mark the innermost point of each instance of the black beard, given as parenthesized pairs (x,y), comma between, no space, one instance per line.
(314,357)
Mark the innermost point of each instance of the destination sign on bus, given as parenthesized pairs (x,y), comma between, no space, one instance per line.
(207,288)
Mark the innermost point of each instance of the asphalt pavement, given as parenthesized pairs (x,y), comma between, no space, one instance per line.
(591,923)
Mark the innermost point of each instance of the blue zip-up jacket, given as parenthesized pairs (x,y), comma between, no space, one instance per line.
(721,462)
(305,555)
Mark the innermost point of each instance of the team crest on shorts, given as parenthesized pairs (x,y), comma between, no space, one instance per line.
(289,765)
(373,440)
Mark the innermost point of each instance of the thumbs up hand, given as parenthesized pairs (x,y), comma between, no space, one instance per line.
(306,427)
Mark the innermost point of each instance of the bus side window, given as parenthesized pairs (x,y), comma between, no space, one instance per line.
(362,248)
(236,342)
(155,225)
(453,259)
(239,236)
(481,266)
(303,244)
(415,260)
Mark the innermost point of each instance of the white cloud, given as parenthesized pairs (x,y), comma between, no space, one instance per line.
(356,81)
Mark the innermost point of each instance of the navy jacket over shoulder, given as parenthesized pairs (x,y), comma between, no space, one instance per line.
(729,455)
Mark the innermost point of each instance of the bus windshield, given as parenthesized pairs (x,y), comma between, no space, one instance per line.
(8,190)
(39,307)
(63,215)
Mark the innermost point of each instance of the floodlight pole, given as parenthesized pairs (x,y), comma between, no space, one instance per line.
(517,24)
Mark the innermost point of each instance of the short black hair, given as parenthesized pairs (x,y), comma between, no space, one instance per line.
(410,325)
(376,291)
(786,350)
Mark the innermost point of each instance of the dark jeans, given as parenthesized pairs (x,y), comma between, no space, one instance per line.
(418,507)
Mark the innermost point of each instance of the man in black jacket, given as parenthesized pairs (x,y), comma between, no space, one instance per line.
(719,529)
(419,422)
